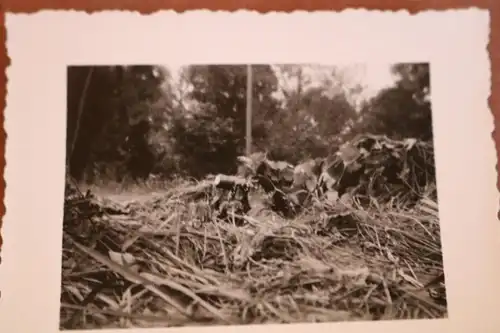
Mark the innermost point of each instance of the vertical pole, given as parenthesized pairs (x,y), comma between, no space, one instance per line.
(249,111)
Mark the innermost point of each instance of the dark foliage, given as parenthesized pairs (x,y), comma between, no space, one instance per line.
(134,121)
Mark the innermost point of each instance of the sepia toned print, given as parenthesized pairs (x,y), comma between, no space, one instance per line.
(249,194)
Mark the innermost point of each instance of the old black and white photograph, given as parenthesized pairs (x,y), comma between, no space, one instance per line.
(249,194)
(242,171)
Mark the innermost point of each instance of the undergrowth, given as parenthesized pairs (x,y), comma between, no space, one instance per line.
(169,261)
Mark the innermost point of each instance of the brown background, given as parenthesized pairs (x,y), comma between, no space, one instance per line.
(148,6)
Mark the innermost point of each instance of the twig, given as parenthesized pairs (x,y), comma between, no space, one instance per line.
(81,105)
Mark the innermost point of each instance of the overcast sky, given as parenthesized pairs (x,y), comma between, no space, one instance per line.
(372,76)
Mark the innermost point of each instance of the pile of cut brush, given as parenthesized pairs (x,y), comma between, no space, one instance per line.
(220,252)
(400,172)
(386,169)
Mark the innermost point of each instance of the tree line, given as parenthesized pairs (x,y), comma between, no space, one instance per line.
(130,122)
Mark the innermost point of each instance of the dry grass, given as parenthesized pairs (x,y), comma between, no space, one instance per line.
(165,262)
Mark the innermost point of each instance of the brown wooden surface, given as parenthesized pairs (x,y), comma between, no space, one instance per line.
(148,6)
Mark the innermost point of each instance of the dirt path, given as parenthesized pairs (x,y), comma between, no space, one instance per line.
(125,196)
(129,196)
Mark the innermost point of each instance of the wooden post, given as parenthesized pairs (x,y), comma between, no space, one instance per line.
(249,112)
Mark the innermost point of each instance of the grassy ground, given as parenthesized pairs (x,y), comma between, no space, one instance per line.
(156,259)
